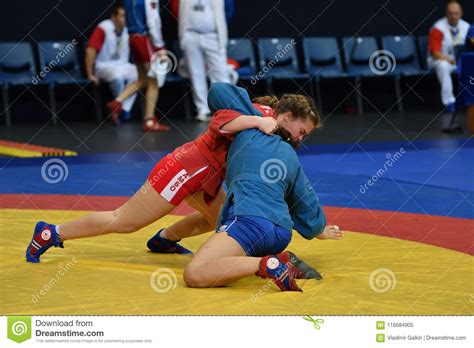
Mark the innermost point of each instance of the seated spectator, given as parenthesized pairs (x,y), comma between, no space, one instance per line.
(107,59)
(447,33)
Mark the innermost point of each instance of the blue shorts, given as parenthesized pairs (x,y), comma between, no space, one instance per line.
(256,235)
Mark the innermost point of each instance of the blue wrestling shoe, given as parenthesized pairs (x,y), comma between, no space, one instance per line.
(158,244)
(279,269)
(451,108)
(44,237)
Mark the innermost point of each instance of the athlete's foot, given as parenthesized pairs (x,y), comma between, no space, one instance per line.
(44,237)
(115,108)
(279,269)
(158,244)
(331,232)
(303,270)
(151,124)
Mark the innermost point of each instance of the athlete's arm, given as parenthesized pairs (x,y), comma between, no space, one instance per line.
(307,214)
(266,125)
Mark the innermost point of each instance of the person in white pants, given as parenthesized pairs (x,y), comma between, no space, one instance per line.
(203,38)
(107,57)
(445,35)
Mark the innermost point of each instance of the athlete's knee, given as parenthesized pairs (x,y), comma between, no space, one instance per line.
(142,82)
(194,276)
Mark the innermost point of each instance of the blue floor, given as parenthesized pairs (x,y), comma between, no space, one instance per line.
(426,177)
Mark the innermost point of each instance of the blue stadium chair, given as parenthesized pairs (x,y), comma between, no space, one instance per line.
(407,61)
(423,47)
(242,52)
(322,61)
(17,67)
(357,52)
(60,62)
(278,61)
(404,50)
(360,54)
(59,65)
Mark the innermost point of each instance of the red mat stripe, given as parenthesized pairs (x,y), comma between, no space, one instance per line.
(447,232)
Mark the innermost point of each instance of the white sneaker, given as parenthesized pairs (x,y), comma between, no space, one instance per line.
(203,117)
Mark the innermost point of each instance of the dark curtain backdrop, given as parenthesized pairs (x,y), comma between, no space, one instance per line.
(67,19)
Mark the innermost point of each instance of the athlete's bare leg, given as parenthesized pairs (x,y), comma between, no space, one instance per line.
(143,208)
(201,221)
(134,87)
(219,261)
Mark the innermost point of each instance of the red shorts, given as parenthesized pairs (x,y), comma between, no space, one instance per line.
(173,182)
(141,48)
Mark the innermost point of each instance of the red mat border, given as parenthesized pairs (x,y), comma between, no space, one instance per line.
(447,232)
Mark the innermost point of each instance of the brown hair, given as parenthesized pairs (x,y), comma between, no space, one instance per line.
(301,106)
(116,8)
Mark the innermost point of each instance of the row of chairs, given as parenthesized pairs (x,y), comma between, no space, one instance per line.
(274,59)
(327,58)
(58,66)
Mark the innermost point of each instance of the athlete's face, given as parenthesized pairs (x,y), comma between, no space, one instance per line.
(119,19)
(453,13)
(298,128)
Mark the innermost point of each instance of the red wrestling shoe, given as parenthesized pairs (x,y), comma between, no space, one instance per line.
(279,269)
(115,108)
(151,124)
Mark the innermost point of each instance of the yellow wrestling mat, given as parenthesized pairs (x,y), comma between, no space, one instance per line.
(363,274)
